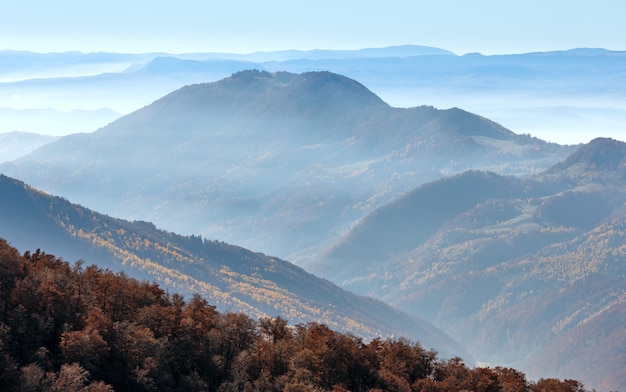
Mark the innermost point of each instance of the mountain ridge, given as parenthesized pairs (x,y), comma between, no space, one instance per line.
(232,277)
(510,89)
(16,144)
(604,154)
(260,156)
(516,274)
(439,204)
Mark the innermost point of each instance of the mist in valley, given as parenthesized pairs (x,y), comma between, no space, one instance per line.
(566,97)
(348,163)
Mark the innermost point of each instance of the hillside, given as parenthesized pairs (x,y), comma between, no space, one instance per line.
(518,268)
(277,162)
(231,277)
(75,328)
(14,145)
(414,218)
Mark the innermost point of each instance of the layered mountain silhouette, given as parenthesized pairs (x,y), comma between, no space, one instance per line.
(231,277)
(523,270)
(14,145)
(276,162)
(547,93)
(520,258)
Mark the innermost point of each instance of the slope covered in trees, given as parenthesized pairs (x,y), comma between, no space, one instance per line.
(522,270)
(233,278)
(76,328)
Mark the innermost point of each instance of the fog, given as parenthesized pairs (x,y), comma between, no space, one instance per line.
(288,164)
(559,118)
(278,163)
(562,97)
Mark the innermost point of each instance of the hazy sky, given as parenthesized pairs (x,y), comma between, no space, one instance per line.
(462,26)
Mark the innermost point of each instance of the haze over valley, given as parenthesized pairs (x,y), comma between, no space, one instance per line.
(277,162)
(505,264)
(567,97)
(444,214)
(308,200)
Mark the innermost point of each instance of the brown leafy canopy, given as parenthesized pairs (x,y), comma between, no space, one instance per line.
(65,328)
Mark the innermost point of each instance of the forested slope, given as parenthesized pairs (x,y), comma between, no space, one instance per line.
(519,269)
(81,328)
(231,277)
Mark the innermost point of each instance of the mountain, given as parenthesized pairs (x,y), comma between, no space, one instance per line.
(523,270)
(15,144)
(230,277)
(71,328)
(169,66)
(125,81)
(601,155)
(576,93)
(15,63)
(399,51)
(414,217)
(277,162)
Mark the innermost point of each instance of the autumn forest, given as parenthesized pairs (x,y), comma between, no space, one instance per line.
(81,328)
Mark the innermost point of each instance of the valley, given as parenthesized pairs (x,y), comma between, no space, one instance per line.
(277,162)
(439,225)
(234,278)
(508,265)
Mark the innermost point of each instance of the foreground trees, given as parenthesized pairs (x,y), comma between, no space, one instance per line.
(65,328)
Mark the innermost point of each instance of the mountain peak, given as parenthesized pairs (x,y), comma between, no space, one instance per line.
(323,96)
(324,85)
(250,74)
(601,154)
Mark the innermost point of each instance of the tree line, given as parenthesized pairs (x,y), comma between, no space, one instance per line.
(74,328)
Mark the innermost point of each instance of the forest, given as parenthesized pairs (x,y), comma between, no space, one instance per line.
(83,328)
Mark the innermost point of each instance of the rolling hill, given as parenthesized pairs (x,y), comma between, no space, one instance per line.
(230,277)
(277,162)
(14,145)
(522,270)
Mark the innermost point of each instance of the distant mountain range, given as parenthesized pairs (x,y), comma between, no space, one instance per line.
(576,92)
(124,82)
(231,277)
(14,63)
(321,54)
(522,270)
(276,162)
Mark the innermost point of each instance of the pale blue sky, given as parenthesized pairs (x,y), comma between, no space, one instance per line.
(238,26)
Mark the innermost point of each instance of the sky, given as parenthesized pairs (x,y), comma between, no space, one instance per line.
(238,26)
